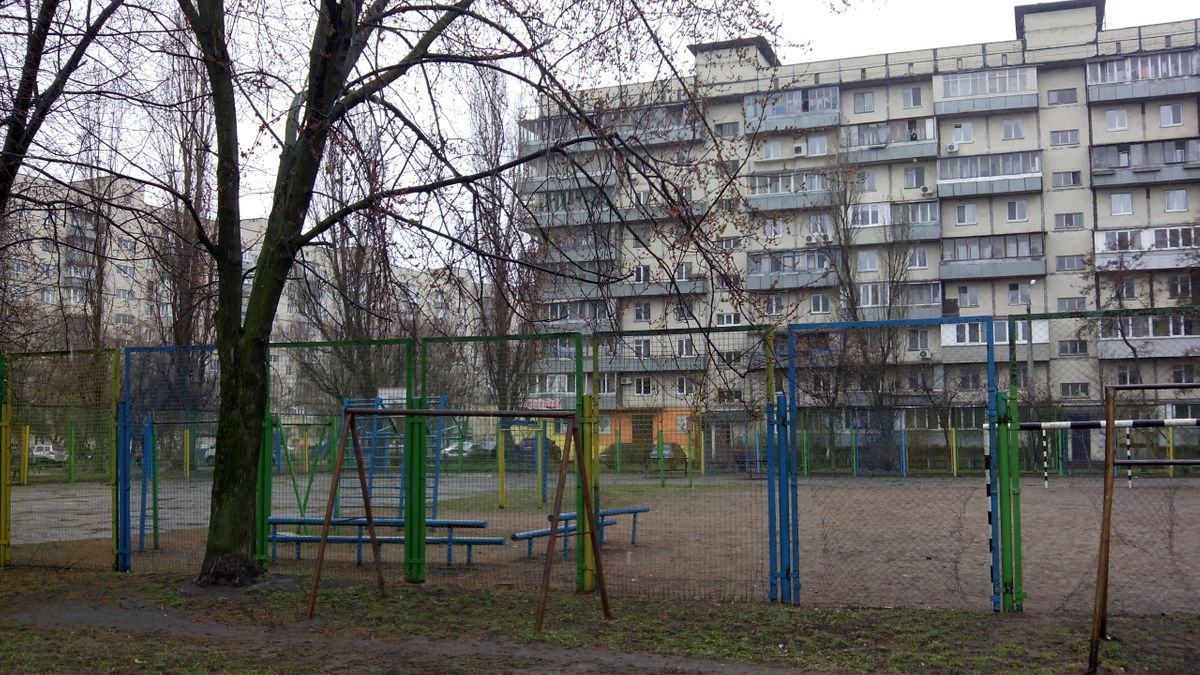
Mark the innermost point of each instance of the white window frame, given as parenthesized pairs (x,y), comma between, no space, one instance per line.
(1064,137)
(775,304)
(819,303)
(642,386)
(818,145)
(868,260)
(966,214)
(772,148)
(1014,129)
(914,177)
(1017,210)
(917,258)
(1116,119)
(1170,115)
(912,97)
(1121,204)
(642,312)
(864,102)
(964,132)
(1179,197)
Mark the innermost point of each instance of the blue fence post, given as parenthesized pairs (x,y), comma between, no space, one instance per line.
(903,452)
(772,523)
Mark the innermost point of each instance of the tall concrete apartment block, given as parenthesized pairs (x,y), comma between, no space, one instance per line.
(1056,171)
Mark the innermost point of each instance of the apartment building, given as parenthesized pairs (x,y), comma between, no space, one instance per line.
(1057,171)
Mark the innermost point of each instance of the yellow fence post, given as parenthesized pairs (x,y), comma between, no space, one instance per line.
(1171,451)
(5,486)
(500,464)
(954,452)
(304,448)
(25,455)
(187,454)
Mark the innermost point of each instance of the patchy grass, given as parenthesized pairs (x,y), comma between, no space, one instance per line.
(853,640)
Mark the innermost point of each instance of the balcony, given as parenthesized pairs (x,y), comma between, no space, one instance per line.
(895,151)
(1119,261)
(975,353)
(985,104)
(1154,163)
(571,181)
(1142,76)
(1160,248)
(993,268)
(990,186)
(788,280)
(549,219)
(657,212)
(1149,347)
(583,252)
(650,364)
(786,201)
(580,290)
(884,234)
(798,122)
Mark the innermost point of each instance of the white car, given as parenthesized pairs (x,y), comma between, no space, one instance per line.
(451,451)
(44,453)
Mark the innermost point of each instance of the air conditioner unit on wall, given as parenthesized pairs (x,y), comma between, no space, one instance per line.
(953,147)
(925,189)
(925,354)
(626,380)
(810,239)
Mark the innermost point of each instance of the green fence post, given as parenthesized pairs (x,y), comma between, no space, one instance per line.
(662,464)
(71,447)
(154,484)
(5,466)
(804,449)
(854,451)
(1003,470)
(500,429)
(1014,486)
(414,497)
(617,449)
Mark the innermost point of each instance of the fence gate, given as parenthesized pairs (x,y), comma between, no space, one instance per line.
(885,428)
(61,437)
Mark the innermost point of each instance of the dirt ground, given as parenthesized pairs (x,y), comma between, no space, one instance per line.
(867,542)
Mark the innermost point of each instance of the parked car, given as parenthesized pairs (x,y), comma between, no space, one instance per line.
(527,448)
(44,453)
(468,449)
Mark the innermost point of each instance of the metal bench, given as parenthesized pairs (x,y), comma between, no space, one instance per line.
(362,536)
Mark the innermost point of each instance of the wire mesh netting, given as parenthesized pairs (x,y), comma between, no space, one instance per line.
(890,450)
(1154,541)
(61,444)
(170,425)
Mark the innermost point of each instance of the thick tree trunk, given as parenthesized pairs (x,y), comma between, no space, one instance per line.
(229,557)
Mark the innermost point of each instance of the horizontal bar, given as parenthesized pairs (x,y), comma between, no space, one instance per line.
(1156,462)
(1152,386)
(436,412)
(1118,424)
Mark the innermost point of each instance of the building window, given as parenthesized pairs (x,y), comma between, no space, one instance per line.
(1018,210)
(912,97)
(1074,389)
(964,214)
(1068,221)
(1068,263)
(818,223)
(1183,373)
(1062,96)
(1117,120)
(1064,137)
(820,303)
(1072,347)
(1179,287)
(685,347)
(1182,326)
(969,333)
(683,310)
(683,271)
(1170,115)
(123,319)
(964,132)
(641,311)
(1013,129)
(684,386)
(641,274)
(1175,200)
(868,260)
(126,294)
(772,149)
(1018,294)
(918,258)
(641,348)
(641,386)
(866,181)
(729,319)
(818,145)
(772,228)
(727,243)
(725,129)
(125,244)
(1066,179)
(559,311)
(968,296)
(1121,203)
(49,296)
(914,177)
(864,102)
(1078,304)
(775,304)
(1125,290)
(923,212)
(871,295)
(1128,374)
(918,338)
(125,270)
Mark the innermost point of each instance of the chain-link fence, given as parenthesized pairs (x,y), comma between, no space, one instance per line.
(61,440)
(1062,372)
(889,438)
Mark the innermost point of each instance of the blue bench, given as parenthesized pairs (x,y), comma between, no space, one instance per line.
(612,513)
(362,536)
(563,530)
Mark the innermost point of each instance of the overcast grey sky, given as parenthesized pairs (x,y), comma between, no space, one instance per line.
(879,26)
